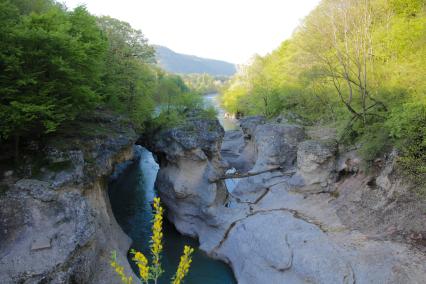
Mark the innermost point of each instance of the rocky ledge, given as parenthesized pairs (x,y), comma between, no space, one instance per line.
(56,222)
(294,212)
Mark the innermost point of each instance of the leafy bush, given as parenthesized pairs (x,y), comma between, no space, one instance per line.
(375,141)
(407,125)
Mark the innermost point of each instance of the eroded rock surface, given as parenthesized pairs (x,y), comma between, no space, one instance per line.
(238,151)
(57,225)
(316,165)
(284,221)
(190,159)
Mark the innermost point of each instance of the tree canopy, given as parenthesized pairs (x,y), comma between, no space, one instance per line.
(58,64)
(50,66)
(359,65)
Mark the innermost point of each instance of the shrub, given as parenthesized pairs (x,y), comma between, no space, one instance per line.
(375,141)
(407,126)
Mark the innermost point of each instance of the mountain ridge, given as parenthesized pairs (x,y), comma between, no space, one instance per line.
(181,63)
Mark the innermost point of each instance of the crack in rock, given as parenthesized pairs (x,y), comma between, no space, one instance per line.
(290,261)
(296,214)
(259,198)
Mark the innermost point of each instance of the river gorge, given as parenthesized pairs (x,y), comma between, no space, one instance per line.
(267,201)
(299,209)
(221,142)
(131,193)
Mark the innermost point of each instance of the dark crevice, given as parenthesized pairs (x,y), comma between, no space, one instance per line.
(372,183)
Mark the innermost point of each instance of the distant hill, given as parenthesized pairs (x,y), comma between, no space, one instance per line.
(185,64)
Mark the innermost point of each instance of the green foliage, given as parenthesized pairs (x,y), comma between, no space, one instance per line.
(407,8)
(59,65)
(355,64)
(374,140)
(51,65)
(129,81)
(174,101)
(209,113)
(204,83)
(407,124)
(176,108)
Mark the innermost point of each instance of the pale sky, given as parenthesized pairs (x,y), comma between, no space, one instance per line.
(231,30)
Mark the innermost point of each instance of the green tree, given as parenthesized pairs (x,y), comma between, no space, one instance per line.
(358,65)
(129,82)
(51,64)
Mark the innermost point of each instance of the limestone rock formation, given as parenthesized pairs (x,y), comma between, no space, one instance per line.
(249,124)
(276,145)
(237,152)
(57,225)
(316,164)
(273,227)
(189,158)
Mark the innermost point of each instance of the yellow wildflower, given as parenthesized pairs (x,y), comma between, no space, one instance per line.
(154,271)
(142,263)
(184,264)
(157,237)
(120,269)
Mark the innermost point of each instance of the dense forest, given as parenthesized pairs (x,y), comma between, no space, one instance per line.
(355,65)
(57,65)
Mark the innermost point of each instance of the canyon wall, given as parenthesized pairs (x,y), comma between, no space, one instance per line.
(56,223)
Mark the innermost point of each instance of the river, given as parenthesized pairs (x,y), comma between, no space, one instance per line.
(131,193)
(228,123)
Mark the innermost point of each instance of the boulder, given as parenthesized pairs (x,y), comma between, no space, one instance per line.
(238,152)
(316,163)
(248,124)
(276,145)
(205,135)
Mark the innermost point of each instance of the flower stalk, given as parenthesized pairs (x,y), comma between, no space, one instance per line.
(153,272)
(184,264)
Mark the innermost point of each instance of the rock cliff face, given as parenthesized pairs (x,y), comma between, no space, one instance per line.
(57,225)
(288,218)
(189,158)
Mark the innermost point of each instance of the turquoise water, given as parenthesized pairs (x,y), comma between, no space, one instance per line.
(131,195)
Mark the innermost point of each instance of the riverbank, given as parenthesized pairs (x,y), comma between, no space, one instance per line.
(299,210)
(289,220)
